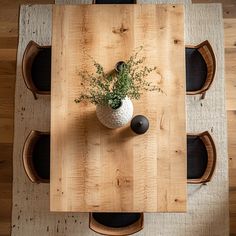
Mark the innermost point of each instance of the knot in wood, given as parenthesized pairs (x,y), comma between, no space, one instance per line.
(120,30)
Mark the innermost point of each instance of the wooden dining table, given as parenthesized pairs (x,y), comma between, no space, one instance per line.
(96,169)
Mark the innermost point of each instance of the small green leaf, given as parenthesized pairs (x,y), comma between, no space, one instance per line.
(109,89)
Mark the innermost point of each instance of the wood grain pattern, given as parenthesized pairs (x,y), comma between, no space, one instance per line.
(229,32)
(230,72)
(7,98)
(229,10)
(97,169)
(9,16)
(232,170)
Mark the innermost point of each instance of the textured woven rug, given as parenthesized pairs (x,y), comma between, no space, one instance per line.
(207,205)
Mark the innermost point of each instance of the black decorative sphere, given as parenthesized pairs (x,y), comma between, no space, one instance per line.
(139,124)
(119,65)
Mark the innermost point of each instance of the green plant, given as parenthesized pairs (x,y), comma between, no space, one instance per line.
(109,89)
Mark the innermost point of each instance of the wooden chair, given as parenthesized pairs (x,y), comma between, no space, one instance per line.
(114,1)
(36,156)
(116,223)
(36,68)
(200,68)
(201,158)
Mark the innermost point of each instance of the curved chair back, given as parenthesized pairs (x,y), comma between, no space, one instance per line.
(208,55)
(27,156)
(30,53)
(115,231)
(211,158)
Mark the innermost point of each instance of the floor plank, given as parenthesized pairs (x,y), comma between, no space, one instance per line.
(7,90)
(5,192)
(8,54)
(5,228)
(229,11)
(9,14)
(8,42)
(5,166)
(7,67)
(214,1)
(229,31)
(6,127)
(230,76)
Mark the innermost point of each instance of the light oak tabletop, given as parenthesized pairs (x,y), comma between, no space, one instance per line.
(94,168)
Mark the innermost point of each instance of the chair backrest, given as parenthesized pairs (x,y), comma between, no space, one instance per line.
(27,156)
(31,51)
(211,155)
(208,55)
(115,231)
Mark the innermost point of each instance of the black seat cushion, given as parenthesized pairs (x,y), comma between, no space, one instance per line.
(115,1)
(197,157)
(116,220)
(196,69)
(41,157)
(41,70)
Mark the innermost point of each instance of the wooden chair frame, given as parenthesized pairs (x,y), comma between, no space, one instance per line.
(30,52)
(27,156)
(211,152)
(102,229)
(208,55)
(94,2)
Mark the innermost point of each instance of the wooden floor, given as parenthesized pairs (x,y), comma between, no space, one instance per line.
(8,47)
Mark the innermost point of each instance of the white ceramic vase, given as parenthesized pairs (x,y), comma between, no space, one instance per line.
(115,118)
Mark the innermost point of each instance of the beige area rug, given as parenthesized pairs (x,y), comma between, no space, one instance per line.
(207,205)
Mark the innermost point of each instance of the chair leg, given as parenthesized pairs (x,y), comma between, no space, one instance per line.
(203,95)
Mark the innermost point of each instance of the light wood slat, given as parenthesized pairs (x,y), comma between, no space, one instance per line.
(230,76)
(97,169)
(232,172)
(229,33)
(232,145)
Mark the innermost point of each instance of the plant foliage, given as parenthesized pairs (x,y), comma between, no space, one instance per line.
(109,89)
